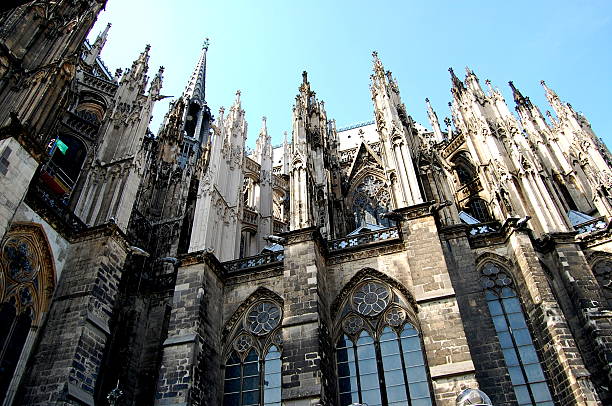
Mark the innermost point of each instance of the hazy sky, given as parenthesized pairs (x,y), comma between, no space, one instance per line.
(262,48)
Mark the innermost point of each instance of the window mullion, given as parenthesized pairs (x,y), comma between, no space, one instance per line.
(381,372)
(516,350)
(358,375)
(401,355)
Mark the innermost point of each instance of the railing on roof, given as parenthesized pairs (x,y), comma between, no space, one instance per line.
(350,127)
(363,239)
(596,224)
(49,205)
(249,216)
(483,228)
(269,258)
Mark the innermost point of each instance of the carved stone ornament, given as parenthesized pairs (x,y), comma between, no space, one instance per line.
(243,342)
(352,325)
(371,298)
(395,317)
(263,318)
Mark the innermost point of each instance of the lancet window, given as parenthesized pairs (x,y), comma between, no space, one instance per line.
(379,351)
(514,337)
(253,362)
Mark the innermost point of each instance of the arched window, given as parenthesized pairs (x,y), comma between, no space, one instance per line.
(253,366)
(603,273)
(27,280)
(477,208)
(520,355)
(379,355)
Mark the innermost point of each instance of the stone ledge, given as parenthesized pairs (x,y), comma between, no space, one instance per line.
(177,340)
(98,323)
(434,295)
(79,394)
(455,368)
(299,320)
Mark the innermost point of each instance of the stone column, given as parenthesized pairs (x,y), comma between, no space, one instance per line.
(66,362)
(448,356)
(190,372)
(568,377)
(308,377)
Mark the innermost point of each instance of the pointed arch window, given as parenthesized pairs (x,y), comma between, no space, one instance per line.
(514,337)
(27,281)
(253,366)
(379,355)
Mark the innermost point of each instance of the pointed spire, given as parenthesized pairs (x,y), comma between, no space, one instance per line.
(518,97)
(457,83)
(137,74)
(196,88)
(379,69)
(156,84)
(433,120)
(97,46)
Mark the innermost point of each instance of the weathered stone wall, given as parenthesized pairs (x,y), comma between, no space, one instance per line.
(17,167)
(191,364)
(66,362)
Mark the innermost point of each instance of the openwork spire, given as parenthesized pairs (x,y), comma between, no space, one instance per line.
(196,88)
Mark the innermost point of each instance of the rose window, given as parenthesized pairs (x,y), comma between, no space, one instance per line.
(371,299)
(243,343)
(395,317)
(263,318)
(352,324)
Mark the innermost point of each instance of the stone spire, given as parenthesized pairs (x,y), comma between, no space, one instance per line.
(196,88)
(137,74)
(518,97)
(197,114)
(435,124)
(97,46)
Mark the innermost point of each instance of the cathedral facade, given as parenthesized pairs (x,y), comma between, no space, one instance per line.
(384,263)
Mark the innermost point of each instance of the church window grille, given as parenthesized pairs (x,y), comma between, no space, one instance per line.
(253,367)
(379,355)
(478,209)
(371,200)
(522,361)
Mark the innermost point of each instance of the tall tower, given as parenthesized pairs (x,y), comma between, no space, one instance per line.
(114,177)
(397,135)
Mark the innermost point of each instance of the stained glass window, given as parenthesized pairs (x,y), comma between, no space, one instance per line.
(515,339)
(387,371)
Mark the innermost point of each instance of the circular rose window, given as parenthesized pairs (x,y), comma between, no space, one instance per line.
(263,318)
(371,298)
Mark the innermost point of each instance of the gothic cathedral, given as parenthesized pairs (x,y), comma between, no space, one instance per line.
(381,264)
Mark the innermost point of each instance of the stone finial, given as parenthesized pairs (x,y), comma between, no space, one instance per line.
(206,43)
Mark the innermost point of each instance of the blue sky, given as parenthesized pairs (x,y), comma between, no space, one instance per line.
(262,47)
